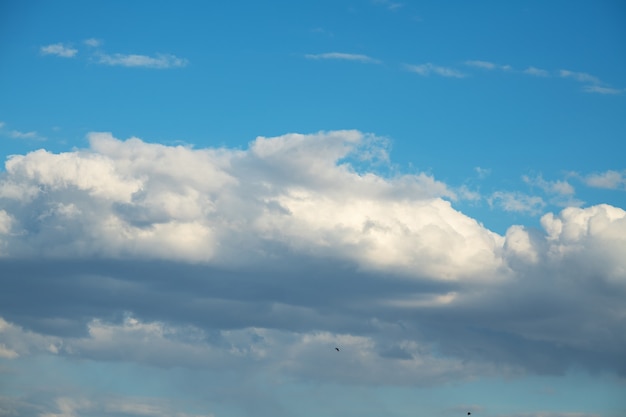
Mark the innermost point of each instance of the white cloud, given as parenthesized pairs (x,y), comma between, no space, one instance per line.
(579,76)
(481,64)
(482,172)
(609,179)
(517,202)
(6,222)
(160,61)
(107,406)
(294,354)
(16,342)
(59,49)
(602,90)
(487,65)
(344,57)
(191,204)
(551,187)
(6,353)
(16,134)
(594,84)
(269,256)
(93,42)
(428,68)
(537,72)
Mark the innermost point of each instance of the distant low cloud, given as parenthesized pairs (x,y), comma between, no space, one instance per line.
(59,49)
(159,61)
(428,69)
(344,57)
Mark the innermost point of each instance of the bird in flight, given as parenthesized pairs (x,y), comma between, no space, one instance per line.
(337,349)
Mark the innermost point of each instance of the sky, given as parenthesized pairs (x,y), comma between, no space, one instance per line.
(201,201)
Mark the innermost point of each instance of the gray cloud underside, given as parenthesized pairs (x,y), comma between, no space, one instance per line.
(268,257)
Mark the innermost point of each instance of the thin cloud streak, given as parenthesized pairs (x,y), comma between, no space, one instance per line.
(160,61)
(579,76)
(429,68)
(537,72)
(602,90)
(487,65)
(344,57)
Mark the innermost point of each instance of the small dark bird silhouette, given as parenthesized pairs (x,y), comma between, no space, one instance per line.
(337,349)
(468,413)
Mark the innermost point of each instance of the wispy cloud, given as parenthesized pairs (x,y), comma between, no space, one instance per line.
(160,61)
(344,56)
(16,134)
(391,5)
(594,84)
(602,90)
(59,49)
(93,42)
(537,72)
(517,202)
(487,65)
(550,187)
(428,69)
(560,193)
(322,31)
(482,172)
(609,179)
(582,77)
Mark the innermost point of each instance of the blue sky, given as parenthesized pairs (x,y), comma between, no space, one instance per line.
(199,201)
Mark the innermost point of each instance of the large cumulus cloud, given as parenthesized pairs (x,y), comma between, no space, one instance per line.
(267,256)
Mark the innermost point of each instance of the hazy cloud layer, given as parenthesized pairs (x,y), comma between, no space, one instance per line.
(267,258)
